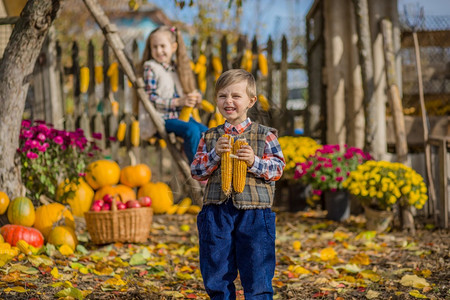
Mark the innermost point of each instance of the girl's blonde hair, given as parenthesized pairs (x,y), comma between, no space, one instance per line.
(183,68)
(235,76)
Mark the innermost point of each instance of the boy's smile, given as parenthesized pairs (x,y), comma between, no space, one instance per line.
(233,102)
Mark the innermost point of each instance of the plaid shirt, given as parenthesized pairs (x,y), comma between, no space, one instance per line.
(162,105)
(270,166)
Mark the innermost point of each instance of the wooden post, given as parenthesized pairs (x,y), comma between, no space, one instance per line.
(423,109)
(224,53)
(78,106)
(269,90)
(282,127)
(92,101)
(114,40)
(395,101)
(210,79)
(366,61)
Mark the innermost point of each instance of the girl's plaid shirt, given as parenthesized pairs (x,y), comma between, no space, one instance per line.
(270,166)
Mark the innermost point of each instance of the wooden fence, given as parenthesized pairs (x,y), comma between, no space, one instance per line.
(96,98)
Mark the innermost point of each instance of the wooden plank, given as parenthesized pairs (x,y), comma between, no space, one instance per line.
(435,38)
(224,53)
(270,67)
(283,86)
(92,101)
(414,129)
(79,106)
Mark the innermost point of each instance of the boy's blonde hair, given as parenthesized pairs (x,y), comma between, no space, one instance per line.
(235,76)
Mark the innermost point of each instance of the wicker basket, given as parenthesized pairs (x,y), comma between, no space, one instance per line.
(129,225)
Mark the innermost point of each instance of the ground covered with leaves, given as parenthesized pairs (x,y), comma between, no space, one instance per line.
(316,259)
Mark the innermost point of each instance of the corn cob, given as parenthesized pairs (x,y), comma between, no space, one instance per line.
(262,63)
(135,133)
(227,168)
(194,209)
(239,168)
(121,131)
(264,102)
(115,108)
(98,74)
(212,123)
(185,113)
(84,79)
(24,247)
(217,66)
(207,106)
(219,118)
(11,252)
(247,60)
(196,115)
(113,73)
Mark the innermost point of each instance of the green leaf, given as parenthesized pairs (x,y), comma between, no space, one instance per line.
(137,259)
(70,292)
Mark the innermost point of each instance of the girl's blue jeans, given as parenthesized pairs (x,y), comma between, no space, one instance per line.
(191,132)
(234,239)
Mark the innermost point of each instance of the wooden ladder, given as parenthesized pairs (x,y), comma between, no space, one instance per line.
(110,32)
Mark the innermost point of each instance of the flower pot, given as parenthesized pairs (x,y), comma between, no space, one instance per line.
(378,220)
(297,197)
(337,205)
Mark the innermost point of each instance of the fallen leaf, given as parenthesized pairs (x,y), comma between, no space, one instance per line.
(327,254)
(372,294)
(18,289)
(55,273)
(414,281)
(417,294)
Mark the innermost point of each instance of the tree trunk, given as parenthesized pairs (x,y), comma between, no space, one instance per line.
(366,61)
(16,67)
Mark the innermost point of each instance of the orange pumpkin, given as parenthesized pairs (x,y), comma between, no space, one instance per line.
(14,233)
(63,235)
(134,176)
(160,193)
(4,202)
(122,192)
(82,198)
(50,214)
(101,173)
(21,212)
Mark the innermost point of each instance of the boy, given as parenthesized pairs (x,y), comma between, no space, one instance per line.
(237,232)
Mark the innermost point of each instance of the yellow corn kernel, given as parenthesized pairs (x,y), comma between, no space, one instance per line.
(262,63)
(207,106)
(227,168)
(84,79)
(212,123)
(264,102)
(11,252)
(121,131)
(196,115)
(194,209)
(5,246)
(135,133)
(185,113)
(239,168)
(24,247)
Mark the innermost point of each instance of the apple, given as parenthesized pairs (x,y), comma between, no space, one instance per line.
(96,207)
(108,198)
(121,206)
(145,201)
(98,202)
(106,206)
(133,204)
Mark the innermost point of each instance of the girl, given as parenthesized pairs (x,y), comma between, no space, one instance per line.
(170,87)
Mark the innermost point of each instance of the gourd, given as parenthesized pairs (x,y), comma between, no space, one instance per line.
(21,212)
(81,199)
(13,233)
(226,168)
(134,176)
(160,193)
(101,173)
(63,235)
(239,168)
(4,202)
(50,214)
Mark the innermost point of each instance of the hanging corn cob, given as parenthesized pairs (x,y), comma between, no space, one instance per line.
(98,74)
(121,131)
(217,66)
(84,79)
(207,106)
(219,118)
(113,74)
(115,107)
(135,133)
(196,115)
(239,168)
(162,144)
(247,60)
(212,123)
(265,105)
(227,168)
(262,63)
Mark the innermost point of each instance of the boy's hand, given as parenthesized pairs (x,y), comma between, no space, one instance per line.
(246,154)
(223,145)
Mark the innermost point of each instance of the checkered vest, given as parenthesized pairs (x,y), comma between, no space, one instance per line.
(258,192)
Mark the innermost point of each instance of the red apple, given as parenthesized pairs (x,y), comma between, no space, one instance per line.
(98,202)
(108,198)
(121,206)
(106,206)
(96,207)
(145,201)
(133,204)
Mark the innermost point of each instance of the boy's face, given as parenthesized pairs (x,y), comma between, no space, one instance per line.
(162,47)
(233,102)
